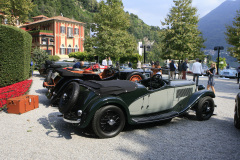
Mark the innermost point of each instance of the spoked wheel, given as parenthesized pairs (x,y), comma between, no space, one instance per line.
(135,77)
(236,118)
(69,97)
(205,108)
(108,121)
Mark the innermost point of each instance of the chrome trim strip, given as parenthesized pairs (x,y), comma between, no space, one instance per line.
(72,121)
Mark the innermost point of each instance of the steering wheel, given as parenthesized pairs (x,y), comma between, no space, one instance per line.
(157,77)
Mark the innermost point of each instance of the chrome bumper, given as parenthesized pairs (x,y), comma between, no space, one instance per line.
(72,121)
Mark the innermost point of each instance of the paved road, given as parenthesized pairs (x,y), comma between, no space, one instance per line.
(41,134)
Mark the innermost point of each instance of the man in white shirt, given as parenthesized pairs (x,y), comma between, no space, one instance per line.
(197,70)
(104,62)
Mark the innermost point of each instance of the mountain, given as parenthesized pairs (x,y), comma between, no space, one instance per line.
(213,25)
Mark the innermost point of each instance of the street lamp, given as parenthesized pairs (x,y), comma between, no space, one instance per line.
(47,40)
(218,48)
(144,51)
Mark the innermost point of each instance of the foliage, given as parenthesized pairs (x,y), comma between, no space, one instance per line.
(39,57)
(111,38)
(15,54)
(134,58)
(181,36)
(222,63)
(233,37)
(83,56)
(53,58)
(16,9)
(14,90)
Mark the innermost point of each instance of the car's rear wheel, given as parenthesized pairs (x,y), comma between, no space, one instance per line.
(205,108)
(135,77)
(108,121)
(236,118)
(69,97)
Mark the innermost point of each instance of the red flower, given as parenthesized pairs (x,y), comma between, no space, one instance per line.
(14,90)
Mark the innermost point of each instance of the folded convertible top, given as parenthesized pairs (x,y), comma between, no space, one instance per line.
(112,86)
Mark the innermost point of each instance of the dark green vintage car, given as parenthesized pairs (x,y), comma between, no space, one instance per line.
(108,105)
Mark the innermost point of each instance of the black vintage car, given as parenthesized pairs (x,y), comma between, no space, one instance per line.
(237,112)
(58,80)
(108,105)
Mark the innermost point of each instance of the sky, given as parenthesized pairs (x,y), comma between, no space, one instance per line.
(152,12)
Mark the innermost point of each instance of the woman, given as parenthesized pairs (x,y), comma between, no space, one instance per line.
(211,74)
(155,68)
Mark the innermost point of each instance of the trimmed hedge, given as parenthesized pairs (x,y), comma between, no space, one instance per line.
(15,55)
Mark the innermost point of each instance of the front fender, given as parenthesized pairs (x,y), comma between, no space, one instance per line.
(192,100)
(104,101)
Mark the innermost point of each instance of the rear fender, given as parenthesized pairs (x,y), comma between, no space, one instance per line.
(94,106)
(192,100)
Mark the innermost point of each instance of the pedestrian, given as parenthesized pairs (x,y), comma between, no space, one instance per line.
(197,71)
(104,62)
(180,69)
(228,66)
(172,67)
(109,61)
(184,69)
(129,64)
(238,75)
(211,72)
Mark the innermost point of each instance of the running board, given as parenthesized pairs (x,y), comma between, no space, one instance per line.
(155,117)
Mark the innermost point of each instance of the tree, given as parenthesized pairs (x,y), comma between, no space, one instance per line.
(111,38)
(233,37)
(222,62)
(39,57)
(182,39)
(16,9)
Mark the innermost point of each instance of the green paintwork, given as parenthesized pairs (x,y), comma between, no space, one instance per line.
(142,102)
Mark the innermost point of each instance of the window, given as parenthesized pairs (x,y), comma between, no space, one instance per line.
(70,32)
(69,50)
(76,31)
(76,48)
(62,50)
(62,29)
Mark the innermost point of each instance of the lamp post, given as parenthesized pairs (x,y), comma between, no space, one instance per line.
(47,40)
(144,51)
(218,48)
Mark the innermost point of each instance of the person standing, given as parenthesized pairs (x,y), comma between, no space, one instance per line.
(109,61)
(104,62)
(211,74)
(184,69)
(197,71)
(172,69)
(129,64)
(180,70)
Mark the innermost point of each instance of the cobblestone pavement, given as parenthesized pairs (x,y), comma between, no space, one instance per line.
(41,134)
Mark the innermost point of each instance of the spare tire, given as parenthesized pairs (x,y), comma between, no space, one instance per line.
(135,76)
(69,97)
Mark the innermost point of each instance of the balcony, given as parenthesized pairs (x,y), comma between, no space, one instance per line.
(41,32)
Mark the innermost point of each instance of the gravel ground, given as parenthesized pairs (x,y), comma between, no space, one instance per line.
(41,134)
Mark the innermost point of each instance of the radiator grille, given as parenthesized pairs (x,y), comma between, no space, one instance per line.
(184,92)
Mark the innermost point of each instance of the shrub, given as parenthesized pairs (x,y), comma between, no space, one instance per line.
(53,58)
(39,57)
(83,56)
(15,55)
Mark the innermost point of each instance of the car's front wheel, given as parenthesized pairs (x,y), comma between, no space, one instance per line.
(236,118)
(108,121)
(205,108)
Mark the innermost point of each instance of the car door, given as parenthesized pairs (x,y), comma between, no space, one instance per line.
(155,101)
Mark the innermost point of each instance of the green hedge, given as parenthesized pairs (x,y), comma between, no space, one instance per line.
(15,53)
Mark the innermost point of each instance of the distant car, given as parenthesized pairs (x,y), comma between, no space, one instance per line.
(237,112)
(230,73)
